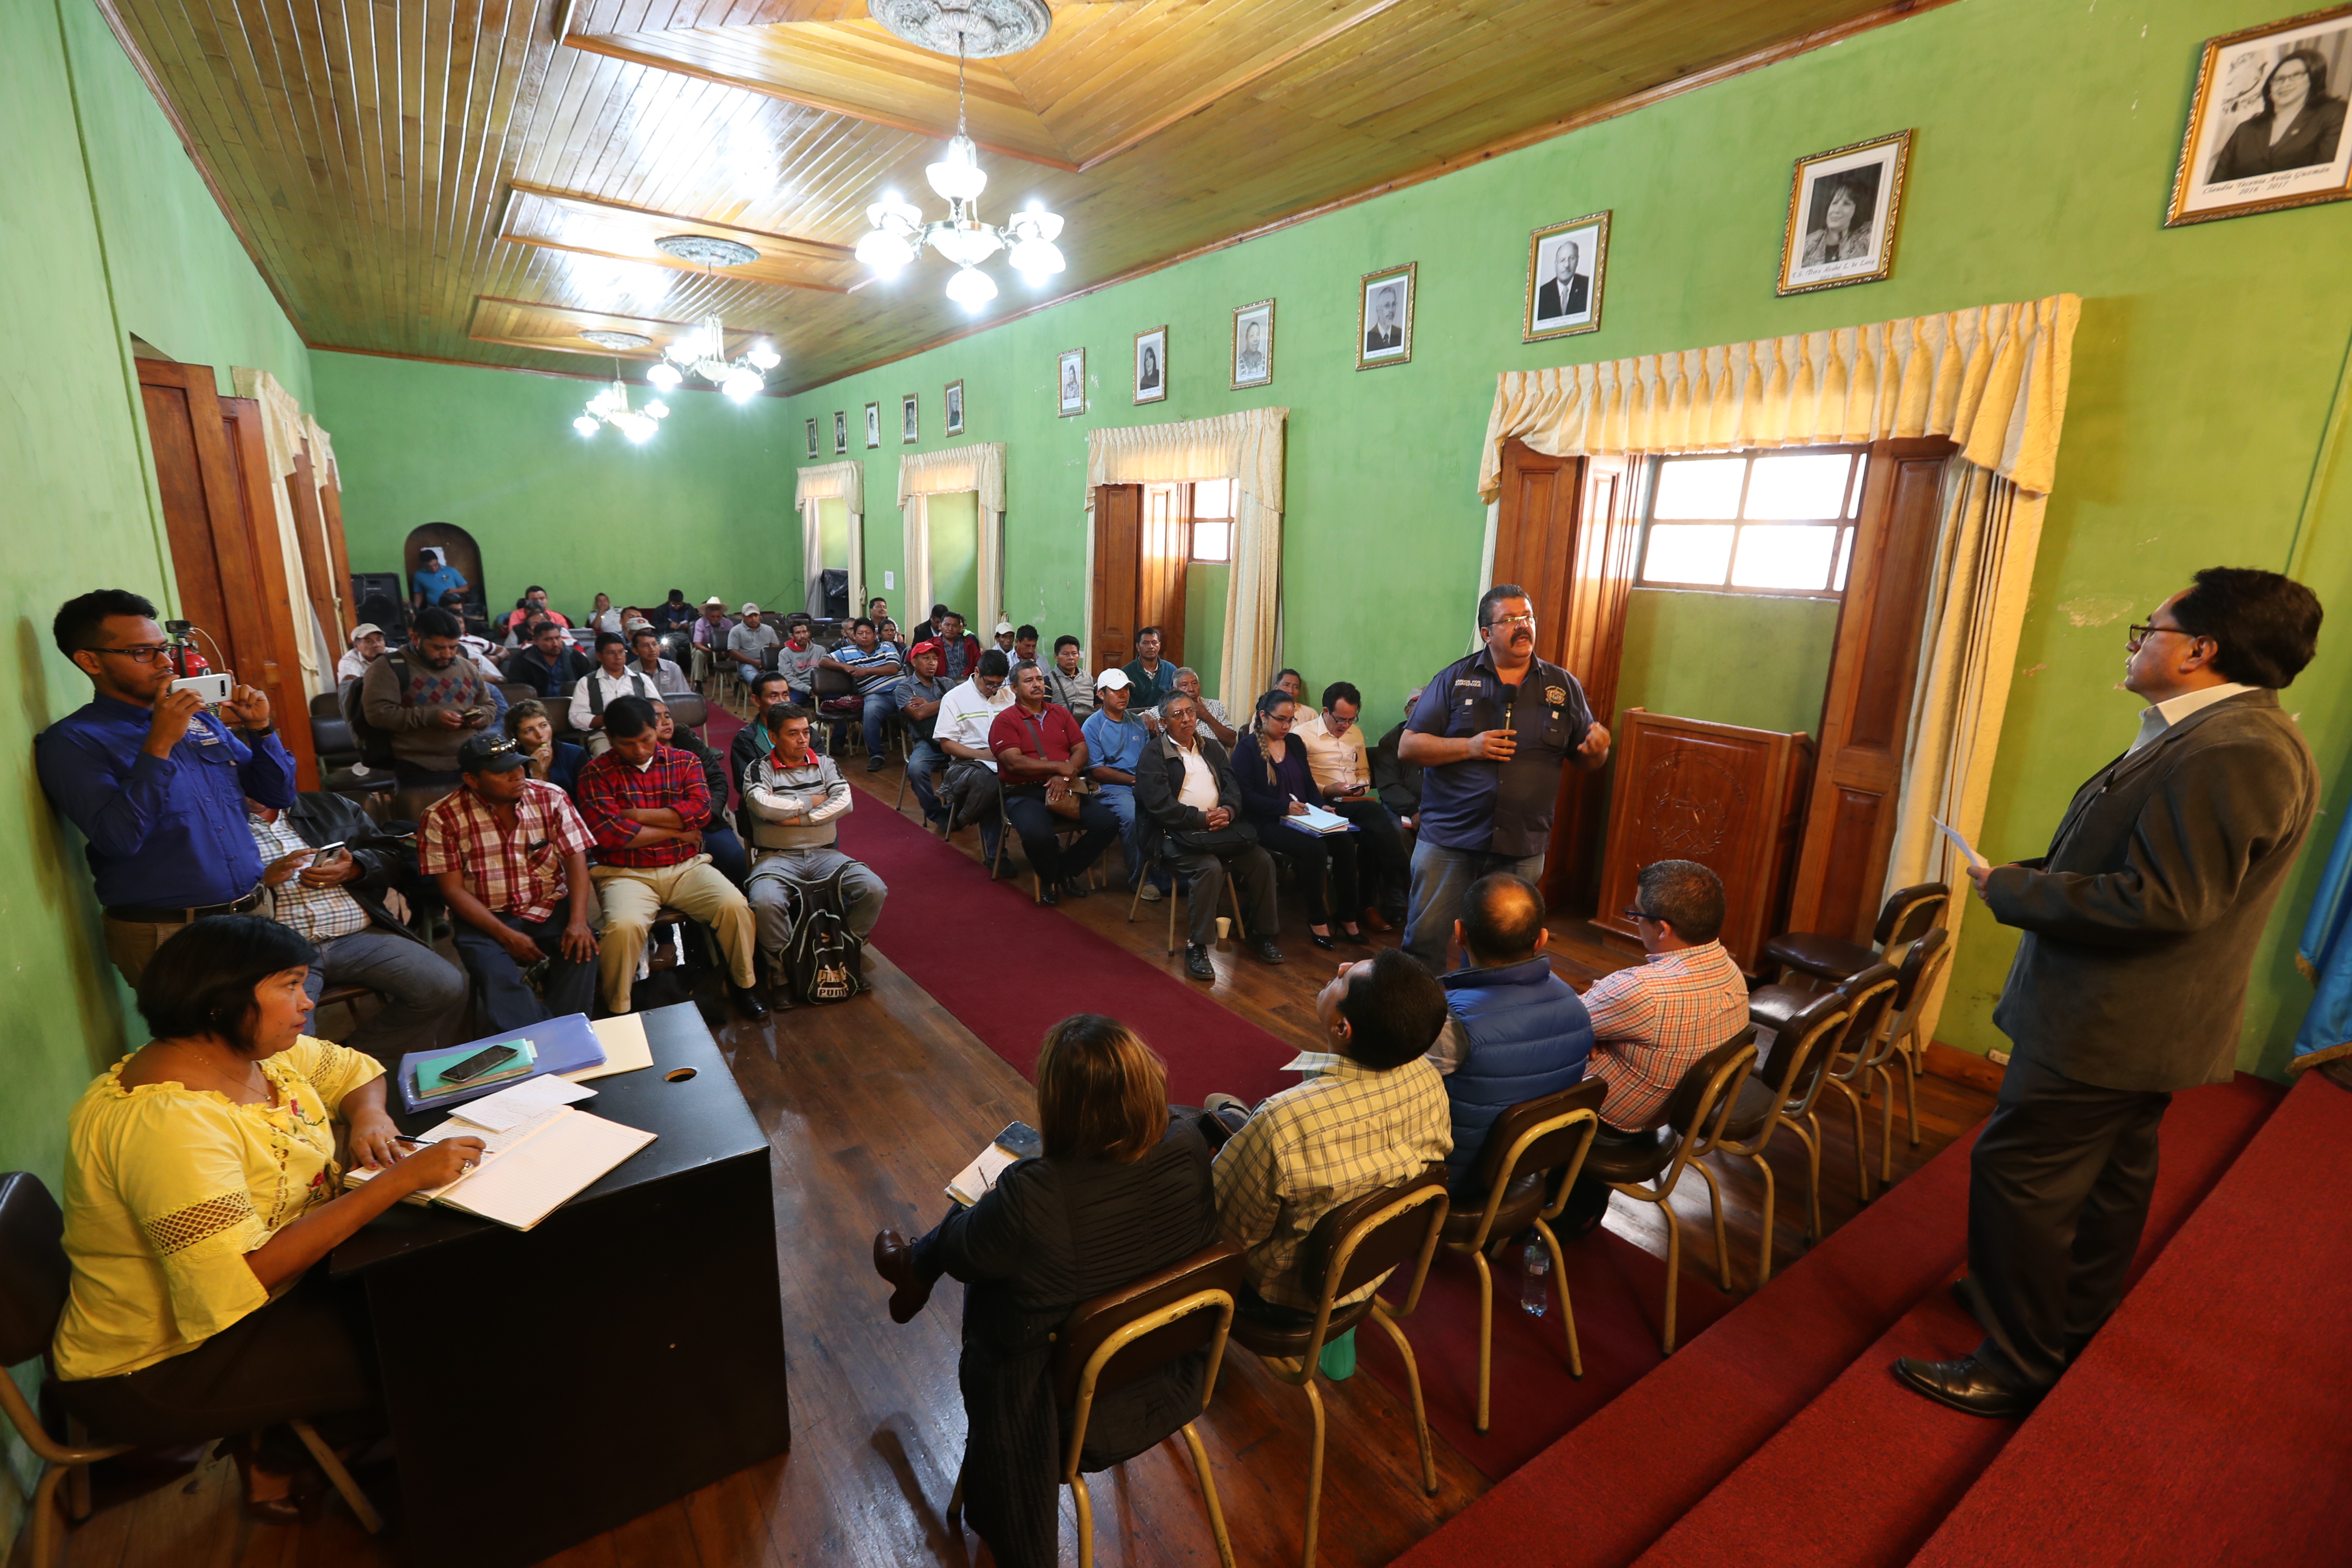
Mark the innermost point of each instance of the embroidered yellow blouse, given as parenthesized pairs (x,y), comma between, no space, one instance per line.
(167,1188)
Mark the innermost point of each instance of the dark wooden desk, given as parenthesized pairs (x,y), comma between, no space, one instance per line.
(546,1386)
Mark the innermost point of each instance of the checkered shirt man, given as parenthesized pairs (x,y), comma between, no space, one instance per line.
(1347,1130)
(317,915)
(520,875)
(671,781)
(1650,1021)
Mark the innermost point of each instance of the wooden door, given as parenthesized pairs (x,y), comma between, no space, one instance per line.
(1143,544)
(209,477)
(1866,721)
(1162,562)
(1565,531)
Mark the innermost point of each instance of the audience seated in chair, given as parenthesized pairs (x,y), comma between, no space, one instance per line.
(531,606)
(1371,1114)
(550,663)
(1343,773)
(510,854)
(646,658)
(333,902)
(200,1194)
(1024,646)
(1212,711)
(610,679)
(1151,679)
(753,741)
(646,806)
(711,629)
(1008,644)
(366,647)
(966,714)
(917,697)
(1120,1192)
(793,797)
(1514,1030)
(674,613)
(444,700)
(1066,680)
(960,651)
(1042,757)
(1188,806)
(1277,783)
(719,840)
(551,761)
(749,645)
(875,671)
(1650,1021)
(1114,741)
(798,659)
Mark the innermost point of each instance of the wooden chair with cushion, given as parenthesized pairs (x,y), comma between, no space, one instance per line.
(1113,1338)
(1353,1244)
(34,1276)
(1906,916)
(1807,1031)
(1528,1145)
(1701,1104)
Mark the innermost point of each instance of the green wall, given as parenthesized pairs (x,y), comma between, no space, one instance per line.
(953,522)
(106,230)
(2046,140)
(706,505)
(1733,658)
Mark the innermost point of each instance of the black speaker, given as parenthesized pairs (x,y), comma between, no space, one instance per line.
(377,598)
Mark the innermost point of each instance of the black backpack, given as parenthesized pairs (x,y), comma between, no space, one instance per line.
(822,959)
(375,745)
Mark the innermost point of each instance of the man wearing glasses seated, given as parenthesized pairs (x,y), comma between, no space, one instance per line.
(157,785)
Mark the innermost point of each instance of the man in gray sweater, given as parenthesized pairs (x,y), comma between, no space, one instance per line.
(2141,923)
(429,700)
(791,799)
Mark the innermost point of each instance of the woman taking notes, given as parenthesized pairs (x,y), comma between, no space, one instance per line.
(202,1184)
(1270,765)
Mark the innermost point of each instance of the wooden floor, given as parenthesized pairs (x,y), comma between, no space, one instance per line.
(869,1107)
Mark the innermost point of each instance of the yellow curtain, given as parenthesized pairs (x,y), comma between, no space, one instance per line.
(283,426)
(979,468)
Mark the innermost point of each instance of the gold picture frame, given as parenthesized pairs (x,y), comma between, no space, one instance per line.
(1580,313)
(1150,360)
(2235,97)
(1259,313)
(1394,283)
(910,418)
(1818,252)
(874,426)
(1069,374)
(812,440)
(951,398)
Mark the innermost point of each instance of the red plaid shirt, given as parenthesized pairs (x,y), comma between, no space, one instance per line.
(1650,1021)
(519,874)
(672,781)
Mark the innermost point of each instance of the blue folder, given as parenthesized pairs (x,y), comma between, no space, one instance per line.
(564,1045)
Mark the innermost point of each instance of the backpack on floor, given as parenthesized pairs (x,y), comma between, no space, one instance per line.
(823,960)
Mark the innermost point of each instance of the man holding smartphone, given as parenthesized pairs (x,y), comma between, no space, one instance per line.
(429,714)
(156,784)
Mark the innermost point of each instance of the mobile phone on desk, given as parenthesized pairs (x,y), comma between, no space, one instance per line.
(210,690)
(481,1062)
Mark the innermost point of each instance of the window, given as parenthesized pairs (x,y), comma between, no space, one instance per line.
(1766,523)
(1212,521)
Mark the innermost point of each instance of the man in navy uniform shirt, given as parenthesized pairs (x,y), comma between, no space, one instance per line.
(155,784)
(1492,731)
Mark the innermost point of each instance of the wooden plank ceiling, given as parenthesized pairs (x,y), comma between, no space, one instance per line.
(449,179)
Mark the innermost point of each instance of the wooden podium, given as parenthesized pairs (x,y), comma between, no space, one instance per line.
(1732,799)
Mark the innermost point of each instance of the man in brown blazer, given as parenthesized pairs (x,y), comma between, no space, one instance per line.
(2140,928)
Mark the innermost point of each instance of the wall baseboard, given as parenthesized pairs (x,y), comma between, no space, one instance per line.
(1962,1066)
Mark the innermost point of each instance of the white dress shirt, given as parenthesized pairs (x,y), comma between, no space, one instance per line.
(2158,717)
(628,683)
(1199,791)
(965,715)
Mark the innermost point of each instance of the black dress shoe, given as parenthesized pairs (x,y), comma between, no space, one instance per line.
(1266,949)
(1356,937)
(874,764)
(1196,962)
(1965,1385)
(894,1259)
(1046,894)
(1075,887)
(754,1006)
(1325,942)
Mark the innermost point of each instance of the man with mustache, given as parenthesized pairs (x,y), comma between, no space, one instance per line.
(1492,731)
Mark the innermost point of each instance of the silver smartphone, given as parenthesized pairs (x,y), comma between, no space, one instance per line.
(209,688)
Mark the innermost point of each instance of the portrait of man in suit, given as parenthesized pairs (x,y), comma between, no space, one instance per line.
(955,407)
(840,432)
(1386,333)
(1564,294)
(909,418)
(1253,344)
(872,425)
(1566,265)
(1073,374)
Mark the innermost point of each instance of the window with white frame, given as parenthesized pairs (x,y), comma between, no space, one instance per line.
(1212,521)
(1754,523)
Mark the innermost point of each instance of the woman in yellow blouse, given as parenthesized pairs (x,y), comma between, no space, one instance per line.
(202,1184)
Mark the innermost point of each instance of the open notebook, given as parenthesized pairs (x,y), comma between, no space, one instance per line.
(530,1170)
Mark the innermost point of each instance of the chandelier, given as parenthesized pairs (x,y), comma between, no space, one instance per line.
(702,350)
(611,407)
(898,233)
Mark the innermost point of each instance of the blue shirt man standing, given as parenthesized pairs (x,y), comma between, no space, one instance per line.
(156,784)
(1114,742)
(1492,731)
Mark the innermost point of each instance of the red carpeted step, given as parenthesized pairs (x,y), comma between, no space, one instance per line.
(1861,1476)
(2205,1423)
(1618,1482)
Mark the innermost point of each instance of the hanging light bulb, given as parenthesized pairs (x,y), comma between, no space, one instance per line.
(972,288)
(763,355)
(663,376)
(609,406)
(741,384)
(1033,254)
(586,424)
(959,176)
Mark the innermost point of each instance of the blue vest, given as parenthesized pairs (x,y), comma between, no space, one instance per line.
(1529,1037)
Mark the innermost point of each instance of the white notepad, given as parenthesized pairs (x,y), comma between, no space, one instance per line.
(527,1173)
(1315,819)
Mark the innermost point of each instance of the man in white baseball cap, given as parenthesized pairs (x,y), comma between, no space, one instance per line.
(1004,641)
(748,644)
(366,647)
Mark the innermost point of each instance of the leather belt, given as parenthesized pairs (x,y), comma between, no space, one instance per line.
(182,917)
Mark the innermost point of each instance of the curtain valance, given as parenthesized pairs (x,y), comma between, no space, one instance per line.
(1992,377)
(1247,447)
(979,467)
(845,481)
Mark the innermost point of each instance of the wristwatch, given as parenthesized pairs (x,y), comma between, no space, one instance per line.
(266,730)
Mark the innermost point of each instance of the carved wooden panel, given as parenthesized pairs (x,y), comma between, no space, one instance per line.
(1119,544)
(1725,797)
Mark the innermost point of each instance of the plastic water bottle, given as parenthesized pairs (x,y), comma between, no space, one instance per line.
(1535,1278)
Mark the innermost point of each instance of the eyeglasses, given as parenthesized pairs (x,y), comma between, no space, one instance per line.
(2140,631)
(1512,621)
(138,653)
(1631,913)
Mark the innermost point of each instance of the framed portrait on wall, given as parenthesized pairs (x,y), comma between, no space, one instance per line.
(1384,317)
(873,425)
(1151,365)
(1253,344)
(2266,125)
(1567,263)
(812,437)
(1070,377)
(910,417)
(1844,205)
(840,433)
(955,407)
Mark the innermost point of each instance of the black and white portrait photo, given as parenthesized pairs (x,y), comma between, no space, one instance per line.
(812,437)
(909,418)
(1844,205)
(1565,263)
(840,433)
(1151,365)
(2266,128)
(1253,344)
(1070,376)
(955,407)
(873,425)
(1384,317)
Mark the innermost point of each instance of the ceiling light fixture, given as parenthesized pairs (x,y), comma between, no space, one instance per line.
(898,233)
(702,348)
(611,407)
(619,342)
